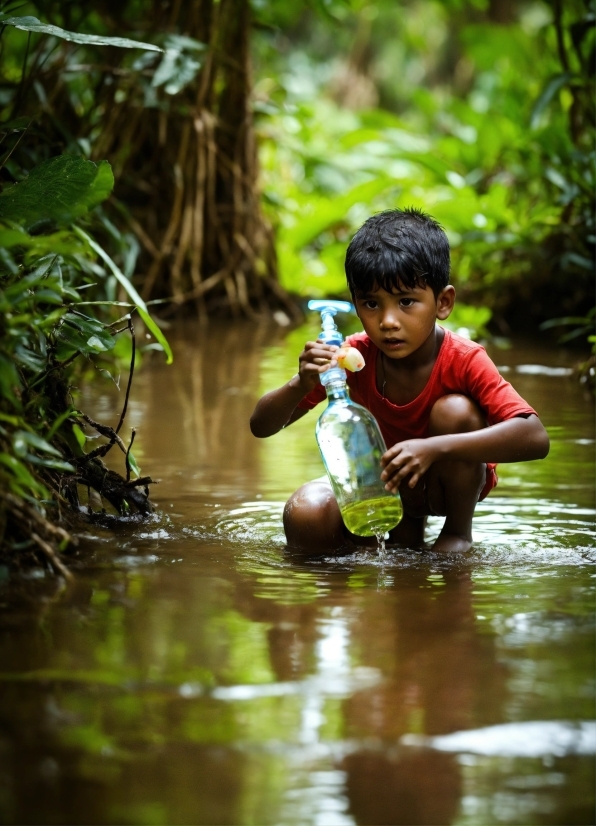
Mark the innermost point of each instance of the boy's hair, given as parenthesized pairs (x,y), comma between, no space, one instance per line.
(402,247)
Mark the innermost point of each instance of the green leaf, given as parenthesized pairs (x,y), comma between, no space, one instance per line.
(48,297)
(32,24)
(31,279)
(60,420)
(55,464)
(29,359)
(56,191)
(559,322)
(21,473)
(133,464)
(550,90)
(152,326)
(9,378)
(85,335)
(24,439)
(178,68)
(131,291)
(62,242)
(79,435)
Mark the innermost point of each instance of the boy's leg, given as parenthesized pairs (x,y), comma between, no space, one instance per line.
(313,523)
(450,488)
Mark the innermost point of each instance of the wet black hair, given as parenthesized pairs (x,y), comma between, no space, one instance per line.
(398,247)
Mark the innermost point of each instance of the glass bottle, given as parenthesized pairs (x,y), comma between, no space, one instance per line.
(351,446)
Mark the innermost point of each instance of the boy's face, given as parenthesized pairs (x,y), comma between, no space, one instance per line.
(400,322)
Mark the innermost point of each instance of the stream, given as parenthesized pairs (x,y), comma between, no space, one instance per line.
(197,672)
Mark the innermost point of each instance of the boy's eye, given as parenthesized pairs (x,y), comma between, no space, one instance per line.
(406,302)
(370,304)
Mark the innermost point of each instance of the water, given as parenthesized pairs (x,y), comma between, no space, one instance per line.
(198,673)
(373,517)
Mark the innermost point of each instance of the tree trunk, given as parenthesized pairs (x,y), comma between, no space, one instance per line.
(188,172)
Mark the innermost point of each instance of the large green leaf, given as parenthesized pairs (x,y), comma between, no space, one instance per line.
(57,191)
(131,291)
(32,24)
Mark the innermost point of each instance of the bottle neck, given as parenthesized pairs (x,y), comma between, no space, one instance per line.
(336,390)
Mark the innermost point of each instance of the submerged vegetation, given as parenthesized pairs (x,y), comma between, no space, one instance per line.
(215,157)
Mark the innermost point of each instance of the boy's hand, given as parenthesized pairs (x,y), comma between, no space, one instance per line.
(315,359)
(412,457)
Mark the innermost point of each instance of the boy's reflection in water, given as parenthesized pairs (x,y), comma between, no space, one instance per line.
(410,789)
(440,675)
(445,678)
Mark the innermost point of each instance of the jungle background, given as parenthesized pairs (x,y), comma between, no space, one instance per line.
(212,158)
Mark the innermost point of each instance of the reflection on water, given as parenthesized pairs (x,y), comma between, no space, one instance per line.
(198,672)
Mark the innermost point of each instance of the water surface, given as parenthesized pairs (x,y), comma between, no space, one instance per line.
(198,673)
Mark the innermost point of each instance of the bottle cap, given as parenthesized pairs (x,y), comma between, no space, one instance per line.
(328,308)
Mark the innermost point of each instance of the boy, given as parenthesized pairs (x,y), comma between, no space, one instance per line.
(445,412)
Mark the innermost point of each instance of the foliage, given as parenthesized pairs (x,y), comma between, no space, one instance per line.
(506,163)
(46,261)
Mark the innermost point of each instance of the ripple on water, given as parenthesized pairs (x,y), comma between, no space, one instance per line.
(512,532)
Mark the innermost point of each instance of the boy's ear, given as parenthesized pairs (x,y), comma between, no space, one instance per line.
(445,302)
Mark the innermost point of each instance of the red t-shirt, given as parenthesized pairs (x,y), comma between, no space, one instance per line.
(462,366)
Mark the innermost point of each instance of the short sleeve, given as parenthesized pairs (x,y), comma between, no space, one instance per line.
(497,398)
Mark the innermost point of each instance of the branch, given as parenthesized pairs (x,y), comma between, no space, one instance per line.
(106,431)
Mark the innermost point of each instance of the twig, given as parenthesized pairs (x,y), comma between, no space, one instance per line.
(127,459)
(106,431)
(52,556)
(130,375)
(20,138)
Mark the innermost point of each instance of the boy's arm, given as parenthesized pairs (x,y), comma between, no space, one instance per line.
(519,439)
(279,408)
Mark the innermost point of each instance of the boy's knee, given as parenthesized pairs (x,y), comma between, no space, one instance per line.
(310,499)
(311,517)
(455,413)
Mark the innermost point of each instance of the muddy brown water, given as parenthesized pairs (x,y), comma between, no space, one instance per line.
(198,673)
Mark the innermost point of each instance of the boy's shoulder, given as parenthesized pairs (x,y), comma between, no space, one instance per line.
(460,345)
(459,355)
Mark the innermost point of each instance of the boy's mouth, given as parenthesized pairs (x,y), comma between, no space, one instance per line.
(393,343)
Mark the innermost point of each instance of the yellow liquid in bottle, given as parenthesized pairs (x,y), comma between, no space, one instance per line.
(373,517)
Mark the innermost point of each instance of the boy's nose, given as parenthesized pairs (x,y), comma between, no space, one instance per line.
(390,321)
